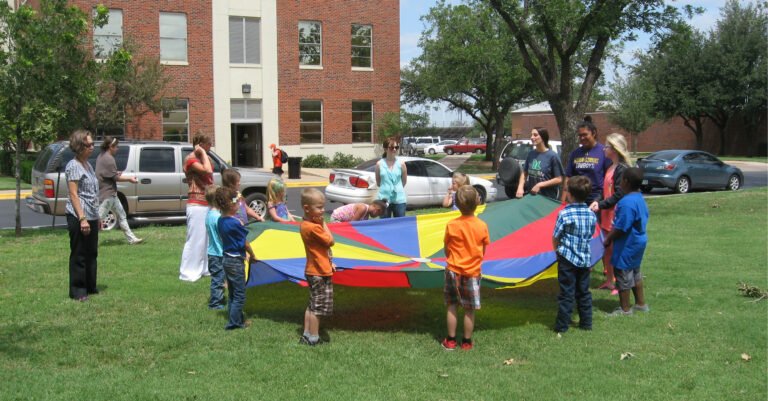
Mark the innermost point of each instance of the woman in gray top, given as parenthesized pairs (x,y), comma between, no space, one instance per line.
(82,217)
(542,172)
(106,172)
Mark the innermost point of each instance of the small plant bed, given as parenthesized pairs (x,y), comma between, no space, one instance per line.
(476,164)
(435,156)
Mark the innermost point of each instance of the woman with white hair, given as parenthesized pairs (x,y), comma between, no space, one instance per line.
(616,150)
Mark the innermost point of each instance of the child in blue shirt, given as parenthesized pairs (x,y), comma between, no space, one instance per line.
(629,239)
(234,248)
(574,229)
(215,255)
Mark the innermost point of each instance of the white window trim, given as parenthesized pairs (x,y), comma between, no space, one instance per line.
(312,66)
(373,122)
(362,69)
(174,62)
(248,65)
(186,40)
(365,68)
(322,123)
(122,33)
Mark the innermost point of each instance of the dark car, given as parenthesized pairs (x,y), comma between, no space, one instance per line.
(684,170)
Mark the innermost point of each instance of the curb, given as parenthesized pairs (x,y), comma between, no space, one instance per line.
(12,196)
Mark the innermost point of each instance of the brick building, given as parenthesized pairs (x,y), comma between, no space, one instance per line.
(670,134)
(309,75)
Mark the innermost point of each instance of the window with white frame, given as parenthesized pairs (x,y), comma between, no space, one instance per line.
(176,120)
(245,109)
(108,37)
(173,37)
(362,43)
(362,122)
(311,120)
(244,40)
(310,43)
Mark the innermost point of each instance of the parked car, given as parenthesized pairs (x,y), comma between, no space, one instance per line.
(511,162)
(417,147)
(405,144)
(684,170)
(161,193)
(465,146)
(428,182)
(438,147)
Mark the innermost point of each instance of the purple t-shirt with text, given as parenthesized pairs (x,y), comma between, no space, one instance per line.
(592,164)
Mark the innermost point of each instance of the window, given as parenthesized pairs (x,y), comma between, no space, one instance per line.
(109,37)
(311,117)
(244,40)
(435,170)
(310,43)
(176,120)
(362,122)
(157,160)
(173,37)
(245,109)
(361,45)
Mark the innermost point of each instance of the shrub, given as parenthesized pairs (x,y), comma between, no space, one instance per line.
(341,160)
(25,170)
(316,161)
(6,163)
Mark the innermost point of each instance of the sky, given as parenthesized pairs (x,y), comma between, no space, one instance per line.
(411,28)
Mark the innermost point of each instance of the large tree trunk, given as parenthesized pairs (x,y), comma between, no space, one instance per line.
(697,129)
(567,120)
(495,153)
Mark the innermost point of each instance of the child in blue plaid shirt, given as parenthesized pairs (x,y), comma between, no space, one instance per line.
(573,230)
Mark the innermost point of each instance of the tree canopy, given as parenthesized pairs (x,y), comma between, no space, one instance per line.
(470,61)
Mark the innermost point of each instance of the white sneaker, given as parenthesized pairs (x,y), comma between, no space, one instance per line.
(644,308)
(619,312)
(135,241)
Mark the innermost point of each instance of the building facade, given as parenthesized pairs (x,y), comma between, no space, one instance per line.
(311,76)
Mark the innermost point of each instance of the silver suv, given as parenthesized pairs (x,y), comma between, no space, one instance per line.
(161,193)
(417,148)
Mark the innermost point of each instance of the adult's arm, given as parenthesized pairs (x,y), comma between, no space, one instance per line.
(521,184)
(404,174)
(378,175)
(74,198)
(203,163)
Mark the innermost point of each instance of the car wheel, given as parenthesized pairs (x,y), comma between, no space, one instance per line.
(734,183)
(257,201)
(646,189)
(449,151)
(481,192)
(432,151)
(478,151)
(109,222)
(683,185)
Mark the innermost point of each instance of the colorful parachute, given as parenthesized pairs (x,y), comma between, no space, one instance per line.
(408,252)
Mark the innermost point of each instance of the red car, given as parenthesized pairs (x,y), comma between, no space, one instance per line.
(465,147)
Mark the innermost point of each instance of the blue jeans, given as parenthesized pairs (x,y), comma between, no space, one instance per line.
(216,268)
(235,270)
(574,283)
(394,210)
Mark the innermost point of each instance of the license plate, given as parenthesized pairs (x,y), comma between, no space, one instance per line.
(340,182)
(645,182)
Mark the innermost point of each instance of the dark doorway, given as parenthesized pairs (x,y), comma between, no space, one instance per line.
(247,145)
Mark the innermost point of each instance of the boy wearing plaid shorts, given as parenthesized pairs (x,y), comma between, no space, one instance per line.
(466,238)
(573,230)
(318,271)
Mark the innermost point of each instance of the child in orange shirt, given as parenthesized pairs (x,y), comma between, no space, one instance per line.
(319,269)
(466,238)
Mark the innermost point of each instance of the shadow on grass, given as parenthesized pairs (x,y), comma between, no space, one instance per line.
(404,309)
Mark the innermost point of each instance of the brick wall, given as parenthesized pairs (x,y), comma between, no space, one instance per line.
(336,84)
(141,23)
(671,134)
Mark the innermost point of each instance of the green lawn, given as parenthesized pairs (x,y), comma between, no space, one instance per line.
(9,183)
(148,336)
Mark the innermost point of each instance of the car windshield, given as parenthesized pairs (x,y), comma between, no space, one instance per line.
(663,155)
(369,165)
(519,150)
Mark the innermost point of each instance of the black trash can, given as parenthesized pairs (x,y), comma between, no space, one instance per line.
(294,167)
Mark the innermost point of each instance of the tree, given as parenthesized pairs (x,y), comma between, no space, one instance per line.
(50,84)
(469,61)
(736,53)
(554,36)
(45,75)
(400,124)
(632,106)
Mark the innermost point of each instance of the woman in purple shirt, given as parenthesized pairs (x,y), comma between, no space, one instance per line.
(588,160)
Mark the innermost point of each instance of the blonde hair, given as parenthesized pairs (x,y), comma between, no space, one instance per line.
(619,145)
(275,191)
(210,195)
(311,194)
(467,199)
(201,138)
(461,179)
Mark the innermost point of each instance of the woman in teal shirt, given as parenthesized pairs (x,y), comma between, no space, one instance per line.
(391,176)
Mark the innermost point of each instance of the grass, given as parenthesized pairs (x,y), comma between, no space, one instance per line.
(476,164)
(436,156)
(148,336)
(9,183)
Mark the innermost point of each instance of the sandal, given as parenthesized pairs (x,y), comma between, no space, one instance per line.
(606,286)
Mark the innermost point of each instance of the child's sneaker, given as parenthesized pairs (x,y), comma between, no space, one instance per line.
(619,312)
(449,345)
(305,340)
(465,346)
(644,308)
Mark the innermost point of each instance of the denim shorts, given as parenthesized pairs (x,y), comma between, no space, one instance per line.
(627,279)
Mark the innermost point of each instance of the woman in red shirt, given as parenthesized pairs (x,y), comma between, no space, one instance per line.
(199,173)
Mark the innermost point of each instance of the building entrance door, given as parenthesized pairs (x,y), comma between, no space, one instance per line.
(247,145)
